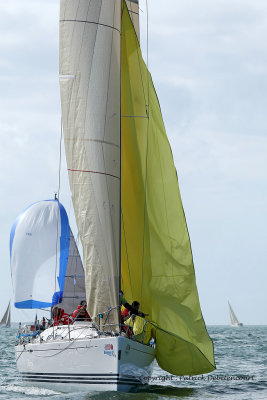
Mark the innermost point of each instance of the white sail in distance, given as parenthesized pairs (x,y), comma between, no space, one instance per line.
(233,317)
(6,320)
(90,100)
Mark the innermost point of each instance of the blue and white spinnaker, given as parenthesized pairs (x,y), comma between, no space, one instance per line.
(44,258)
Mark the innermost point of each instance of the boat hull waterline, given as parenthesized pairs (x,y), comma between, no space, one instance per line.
(110,363)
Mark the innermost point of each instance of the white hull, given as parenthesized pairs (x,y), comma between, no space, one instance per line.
(80,363)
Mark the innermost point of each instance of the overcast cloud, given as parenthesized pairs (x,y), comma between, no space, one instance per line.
(208,60)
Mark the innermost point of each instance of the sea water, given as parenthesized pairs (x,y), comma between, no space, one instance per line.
(241,374)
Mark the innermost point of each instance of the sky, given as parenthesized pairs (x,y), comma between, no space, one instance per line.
(209,65)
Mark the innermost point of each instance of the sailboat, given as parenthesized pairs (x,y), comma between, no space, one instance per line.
(233,317)
(6,320)
(129,216)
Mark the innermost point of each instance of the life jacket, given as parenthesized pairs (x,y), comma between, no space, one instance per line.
(142,330)
(124,312)
(62,319)
(139,328)
(84,317)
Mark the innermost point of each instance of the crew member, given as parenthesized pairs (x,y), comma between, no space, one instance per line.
(60,317)
(81,314)
(127,312)
(132,309)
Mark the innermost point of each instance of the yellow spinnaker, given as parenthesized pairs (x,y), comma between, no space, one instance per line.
(157,264)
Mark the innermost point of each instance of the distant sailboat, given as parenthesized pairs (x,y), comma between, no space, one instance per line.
(5,321)
(233,317)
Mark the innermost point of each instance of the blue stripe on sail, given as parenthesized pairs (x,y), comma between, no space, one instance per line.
(12,234)
(32,304)
(64,253)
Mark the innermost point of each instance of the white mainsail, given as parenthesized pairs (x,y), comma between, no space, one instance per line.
(6,320)
(90,98)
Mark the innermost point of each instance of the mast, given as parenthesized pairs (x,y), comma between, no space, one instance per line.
(133,8)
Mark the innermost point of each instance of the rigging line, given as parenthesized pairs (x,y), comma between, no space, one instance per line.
(134,116)
(139,56)
(140,63)
(120,202)
(60,157)
(58,193)
(128,263)
(20,354)
(65,348)
(147,144)
(147,57)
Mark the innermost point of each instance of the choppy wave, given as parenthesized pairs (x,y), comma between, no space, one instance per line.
(241,372)
(29,391)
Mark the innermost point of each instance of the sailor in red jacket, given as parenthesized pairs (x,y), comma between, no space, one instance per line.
(81,314)
(60,317)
